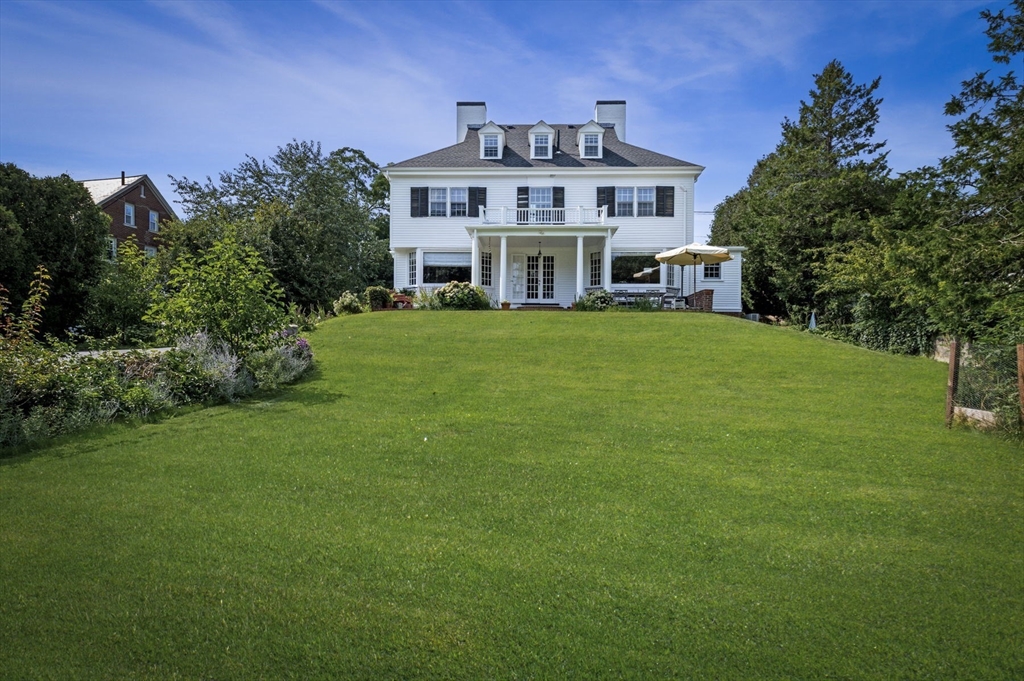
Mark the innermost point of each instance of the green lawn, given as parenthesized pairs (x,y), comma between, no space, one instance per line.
(529,495)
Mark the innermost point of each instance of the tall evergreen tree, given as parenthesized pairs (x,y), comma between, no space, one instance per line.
(810,197)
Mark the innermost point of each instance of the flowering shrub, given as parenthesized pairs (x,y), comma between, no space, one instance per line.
(461,295)
(595,301)
(348,303)
(46,388)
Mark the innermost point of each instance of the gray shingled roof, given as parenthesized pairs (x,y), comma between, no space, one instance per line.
(517,153)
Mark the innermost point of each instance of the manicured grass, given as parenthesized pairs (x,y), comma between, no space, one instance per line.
(529,495)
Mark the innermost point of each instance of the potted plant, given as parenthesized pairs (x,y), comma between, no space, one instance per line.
(505,305)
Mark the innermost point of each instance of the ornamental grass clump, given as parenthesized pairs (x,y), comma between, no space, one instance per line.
(461,295)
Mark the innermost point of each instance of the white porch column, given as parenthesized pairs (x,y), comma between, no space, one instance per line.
(419,268)
(474,277)
(580,292)
(606,269)
(502,287)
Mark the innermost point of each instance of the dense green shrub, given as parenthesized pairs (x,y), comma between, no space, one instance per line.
(228,293)
(120,299)
(48,389)
(378,297)
(880,325)
(595,301)
(348,303)
(461,295)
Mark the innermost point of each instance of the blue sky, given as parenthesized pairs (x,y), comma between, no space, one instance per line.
(188,89)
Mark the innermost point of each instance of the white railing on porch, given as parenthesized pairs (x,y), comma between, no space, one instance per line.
(579,215)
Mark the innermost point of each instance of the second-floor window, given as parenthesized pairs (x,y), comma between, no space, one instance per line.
(438,202)
(490,146)
(591,145)
(459,202)
(644,201)
(624,201)
(154,221)
(129,215)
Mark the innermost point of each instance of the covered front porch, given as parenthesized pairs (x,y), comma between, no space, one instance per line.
(541,264)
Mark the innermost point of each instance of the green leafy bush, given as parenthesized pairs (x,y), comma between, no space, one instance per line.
(348,303)
(378,297)
(119,301)
(595,301)
(227,293)
(461,295)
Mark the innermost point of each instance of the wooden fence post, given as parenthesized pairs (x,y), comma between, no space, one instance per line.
(1020,379)
(954,377)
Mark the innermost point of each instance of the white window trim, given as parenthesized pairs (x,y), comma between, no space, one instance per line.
(632,202)
(412,268)
(705,277)
(431,202)
(583,147)
(496,147)
(154,224)
(533,144)
(450,202)
(128,206)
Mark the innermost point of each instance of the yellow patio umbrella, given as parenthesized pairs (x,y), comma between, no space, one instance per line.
(694,254)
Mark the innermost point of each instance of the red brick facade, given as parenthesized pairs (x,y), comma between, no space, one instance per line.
(144,199)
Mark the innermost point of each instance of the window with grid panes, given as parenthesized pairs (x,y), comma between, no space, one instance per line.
(490,146)
(644,201)
(713,271)
(129,215)
(540,146)
(595,268)
(438,202)
(624,201)
(485,268)
(412,269)
(459,201)
(591,145)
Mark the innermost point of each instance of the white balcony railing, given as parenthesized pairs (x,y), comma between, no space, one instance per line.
(579,215)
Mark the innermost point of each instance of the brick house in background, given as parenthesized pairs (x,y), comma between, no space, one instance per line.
(135,207)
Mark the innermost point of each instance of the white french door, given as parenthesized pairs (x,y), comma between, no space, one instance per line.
(518,278)
(540,278)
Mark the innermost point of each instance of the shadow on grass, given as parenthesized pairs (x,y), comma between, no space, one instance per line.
(97,436)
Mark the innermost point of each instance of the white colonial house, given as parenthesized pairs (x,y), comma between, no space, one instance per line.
(538,214)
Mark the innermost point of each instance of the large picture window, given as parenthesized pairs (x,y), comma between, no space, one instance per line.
(625,267)
(441,268)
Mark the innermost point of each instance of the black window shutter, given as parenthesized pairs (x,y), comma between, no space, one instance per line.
(606,197)
(665,203)
(419,198)
(558,197)
(477,198)
(523,197)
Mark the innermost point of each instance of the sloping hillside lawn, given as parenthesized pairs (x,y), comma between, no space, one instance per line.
(529,495)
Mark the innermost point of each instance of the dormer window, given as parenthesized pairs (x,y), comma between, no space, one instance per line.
(490,146)
(541,148)
(590,140)
(492,141)
(542,137)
